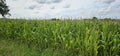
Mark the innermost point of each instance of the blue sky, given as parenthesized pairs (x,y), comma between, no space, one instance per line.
(64,8)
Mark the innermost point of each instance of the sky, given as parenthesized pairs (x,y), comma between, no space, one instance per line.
(64,8)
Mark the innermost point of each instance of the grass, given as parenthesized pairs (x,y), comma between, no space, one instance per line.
(14,48)
(59,38)
(11,48)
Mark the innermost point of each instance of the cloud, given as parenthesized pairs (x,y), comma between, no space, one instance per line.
(56,8)
(113,7)
(43,4)
(48,1)
(32,7)
(107,1)
(56,1)
(53,7)
(14,0)
(66,6)
(109,10)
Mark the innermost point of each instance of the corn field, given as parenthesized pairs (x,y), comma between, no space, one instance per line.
(74,37)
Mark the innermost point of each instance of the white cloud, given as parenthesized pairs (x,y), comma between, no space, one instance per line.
(107,1)
(48,1)
(113,8)
(57,8)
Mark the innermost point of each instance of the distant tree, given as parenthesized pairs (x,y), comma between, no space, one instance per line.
(107,18)
(55,19)
(4,10)
(94,18)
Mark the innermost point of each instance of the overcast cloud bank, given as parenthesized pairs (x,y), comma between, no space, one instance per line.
(64,8)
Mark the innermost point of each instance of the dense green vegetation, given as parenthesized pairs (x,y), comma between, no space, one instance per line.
(60,38)
(4,9)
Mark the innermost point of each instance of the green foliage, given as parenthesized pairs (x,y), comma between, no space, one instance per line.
(70,38)
(94,18)
(4,10)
